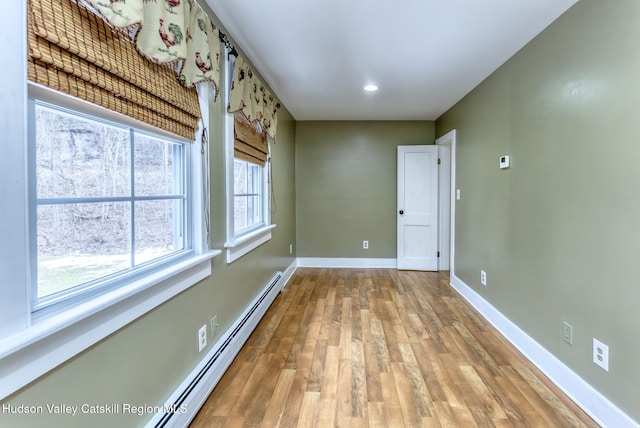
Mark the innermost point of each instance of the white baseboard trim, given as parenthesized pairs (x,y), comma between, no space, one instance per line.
(288,273)
(326,262)
(185,402)
(603,411)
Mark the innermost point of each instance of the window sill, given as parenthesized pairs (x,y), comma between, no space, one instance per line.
(50,341)
(244,244)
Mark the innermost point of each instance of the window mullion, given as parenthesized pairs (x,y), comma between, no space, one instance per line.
(132,206)
(248,212)
(178,206)
(259,185)
(33,202)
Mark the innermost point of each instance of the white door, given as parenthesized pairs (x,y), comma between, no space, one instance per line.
(418,207)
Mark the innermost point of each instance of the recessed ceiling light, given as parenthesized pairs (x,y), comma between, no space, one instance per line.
(371,88)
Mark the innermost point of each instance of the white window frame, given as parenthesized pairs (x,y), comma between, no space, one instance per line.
(257,178)
(239,244)
(31,346)
(82,292)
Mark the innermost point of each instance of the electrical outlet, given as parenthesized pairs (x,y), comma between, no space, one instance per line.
(290,248)
(601,354)
(213,325)
(202,338)
(567,333)
(365,245)
(483,278)
(458,194)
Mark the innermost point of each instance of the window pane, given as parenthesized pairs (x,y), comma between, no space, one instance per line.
(78,157)
(240,209)
(255,214)
(246,178)
(246,212)
(78,243)
(239,177)
(91,223)
(159,229)
(247,188)
(252,176)
(157,166)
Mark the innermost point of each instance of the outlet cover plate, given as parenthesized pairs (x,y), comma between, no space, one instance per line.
(213,326)
(601,354)
(202,338)
(567,333)
(483,278)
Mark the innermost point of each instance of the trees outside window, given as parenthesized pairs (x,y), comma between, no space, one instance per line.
(108,199)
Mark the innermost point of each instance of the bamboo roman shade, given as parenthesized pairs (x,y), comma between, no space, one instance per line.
(249,144)
(72,50)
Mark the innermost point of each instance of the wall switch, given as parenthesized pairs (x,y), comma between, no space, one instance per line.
(601,354)
(483,278)
(567,333)
(365,245)
(213,325)
(458,194)
(202,338)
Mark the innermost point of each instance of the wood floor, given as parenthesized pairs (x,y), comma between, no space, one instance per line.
(381,348)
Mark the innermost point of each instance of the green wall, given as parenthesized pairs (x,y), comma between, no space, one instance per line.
(143,363)
(558,232)
(346,185)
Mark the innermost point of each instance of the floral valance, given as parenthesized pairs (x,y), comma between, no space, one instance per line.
(249,95)
(169,31)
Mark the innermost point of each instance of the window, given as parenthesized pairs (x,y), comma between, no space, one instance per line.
(247,173)
(248,224)
(247,196)
(109,200)
(111,226)
(40,330)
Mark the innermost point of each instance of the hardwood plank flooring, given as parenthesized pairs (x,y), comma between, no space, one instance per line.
(381,348)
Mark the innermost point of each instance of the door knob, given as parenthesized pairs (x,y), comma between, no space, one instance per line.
(401,212)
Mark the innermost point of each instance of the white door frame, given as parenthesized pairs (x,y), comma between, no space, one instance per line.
(444,204)
(448,142)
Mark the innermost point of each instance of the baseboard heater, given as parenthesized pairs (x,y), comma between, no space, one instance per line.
(186,401)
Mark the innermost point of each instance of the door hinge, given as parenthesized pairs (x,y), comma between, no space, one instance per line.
(439,161)
(438,253)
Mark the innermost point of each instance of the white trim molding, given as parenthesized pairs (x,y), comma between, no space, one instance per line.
(450,139)
(362,263)
(246,243)
(603,411)
(288,273)
(14,219)
(43,346)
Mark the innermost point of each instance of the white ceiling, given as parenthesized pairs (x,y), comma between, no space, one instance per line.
(424,55)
